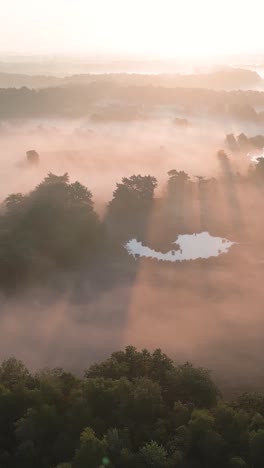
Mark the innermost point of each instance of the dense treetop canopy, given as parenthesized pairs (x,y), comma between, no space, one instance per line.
(136,409)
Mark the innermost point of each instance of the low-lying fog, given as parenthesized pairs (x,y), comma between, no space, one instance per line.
(100,155)
(210,313)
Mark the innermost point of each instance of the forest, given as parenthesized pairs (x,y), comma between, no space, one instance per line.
(221,78)
(135,409)
(130,99)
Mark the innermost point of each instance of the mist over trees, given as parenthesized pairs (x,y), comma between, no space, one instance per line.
(225,78)
(55,227)
(130,207)
(107,100)
(136,408)
(131,236)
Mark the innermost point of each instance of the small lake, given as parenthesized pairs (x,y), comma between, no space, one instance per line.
(191,247)
(256,157)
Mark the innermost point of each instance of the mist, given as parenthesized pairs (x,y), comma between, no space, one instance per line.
(100,155)
(100,129)
(206,312)
(131,234)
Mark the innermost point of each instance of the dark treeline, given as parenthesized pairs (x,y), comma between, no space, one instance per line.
(136,409)
(55,227)
(123,102)
(225,78)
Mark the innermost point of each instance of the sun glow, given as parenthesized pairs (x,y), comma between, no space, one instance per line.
(160,28)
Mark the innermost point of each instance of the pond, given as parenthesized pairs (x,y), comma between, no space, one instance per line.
(191,247)
(255,158)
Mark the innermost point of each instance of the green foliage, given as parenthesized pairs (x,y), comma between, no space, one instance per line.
(92,451)
(133,194)
(257,448)
(14,373)
(133,364)
(154,455)
(251,401)
(129,209)
(26,455)
(192,385)
(54,232)
(237,462)
(55,224)
(178,185)
(64,465)
(122,415)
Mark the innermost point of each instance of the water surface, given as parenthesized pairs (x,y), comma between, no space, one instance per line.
(191,247)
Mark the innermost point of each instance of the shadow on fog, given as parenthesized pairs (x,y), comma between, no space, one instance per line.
(231,190)
(186,308)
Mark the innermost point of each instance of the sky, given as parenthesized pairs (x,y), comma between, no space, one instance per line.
(154,28)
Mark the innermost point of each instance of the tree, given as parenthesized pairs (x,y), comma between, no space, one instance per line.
(232,142)
(114,443)
(130,206)
(207,445)
(250,401)
(154,455)
(117,442)
(257,173)
(64,465)
(191,385)
(26,455)
(181,414)
(133,364)
(13,372)
(177,185)
(92,451)
(177,460)
(136,409)
(55,226)
(257,448)
(237,462)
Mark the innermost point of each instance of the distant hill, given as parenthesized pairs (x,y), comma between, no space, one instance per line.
(109,100)
(225,78)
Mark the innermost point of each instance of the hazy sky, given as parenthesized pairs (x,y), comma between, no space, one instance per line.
(157,27)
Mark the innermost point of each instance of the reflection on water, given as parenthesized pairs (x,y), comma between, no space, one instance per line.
(192,247)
